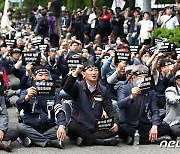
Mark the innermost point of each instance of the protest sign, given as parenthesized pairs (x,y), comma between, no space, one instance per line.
(103,124)
(45,88)
(31,58)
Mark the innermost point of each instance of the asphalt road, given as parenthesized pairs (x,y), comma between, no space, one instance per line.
(121,148)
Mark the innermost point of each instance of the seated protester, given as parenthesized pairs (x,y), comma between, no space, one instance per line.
(19,44)
(89,100)
(173,106)
(162,78)
(52,63)
(139,111)
(40,126)
(6,134)
(143,56)
(9,59)
(108,66)
(73,49)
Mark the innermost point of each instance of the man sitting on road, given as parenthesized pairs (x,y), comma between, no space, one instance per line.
(43,118)
(89,100)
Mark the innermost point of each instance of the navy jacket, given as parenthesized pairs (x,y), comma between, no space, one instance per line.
(36,112)
(87,106)
(131,113)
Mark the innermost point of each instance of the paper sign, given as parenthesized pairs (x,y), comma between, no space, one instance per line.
(103,124)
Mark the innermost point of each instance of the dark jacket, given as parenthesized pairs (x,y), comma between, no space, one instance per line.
(36,111)
(131,113)
(87,106)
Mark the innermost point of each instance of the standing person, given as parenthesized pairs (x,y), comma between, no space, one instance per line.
(146,27)
(43,118)
(42,26)
(117,24)
(51,23)
(154,18)
(104,23)
(134,30)
(89,100)
(168,20)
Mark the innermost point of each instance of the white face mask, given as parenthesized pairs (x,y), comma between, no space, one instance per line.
(145,59)
(118,41)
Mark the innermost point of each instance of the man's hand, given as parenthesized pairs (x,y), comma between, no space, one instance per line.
(134,92)
(153,133)
(112,54)
(104,115)
(78,70)
(28,68)
(61,133)
(1,135)
(31,92)
(114,129)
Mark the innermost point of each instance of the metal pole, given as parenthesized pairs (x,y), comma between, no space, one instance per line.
(147,6)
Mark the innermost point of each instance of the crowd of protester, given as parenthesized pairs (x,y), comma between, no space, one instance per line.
(98,85)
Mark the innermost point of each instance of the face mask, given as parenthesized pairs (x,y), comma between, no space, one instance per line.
(145,59)
(118,41)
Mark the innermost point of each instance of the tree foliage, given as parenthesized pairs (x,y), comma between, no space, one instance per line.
(173,36)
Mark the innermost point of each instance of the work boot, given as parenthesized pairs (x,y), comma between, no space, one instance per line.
(6,145)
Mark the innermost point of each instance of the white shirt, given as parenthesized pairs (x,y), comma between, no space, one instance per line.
(91,21)
(171,24)
(145,24)
(91,89)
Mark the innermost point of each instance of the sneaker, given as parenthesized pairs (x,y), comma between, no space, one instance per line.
(26,141)
(79,141)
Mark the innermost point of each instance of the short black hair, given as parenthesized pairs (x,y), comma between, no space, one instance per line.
(10,10)
(146,12)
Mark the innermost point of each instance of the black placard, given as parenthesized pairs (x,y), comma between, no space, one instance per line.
(2,88)
(134,49)
(153,48)
(31,57)
(123,56)
(36,41)
(158,41)
(10,42)
(164,48)
(73,62)
(103,124)
(45,88)
(145,84)
(177,50)
(43,47)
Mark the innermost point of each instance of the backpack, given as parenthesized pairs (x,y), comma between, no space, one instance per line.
(43,27)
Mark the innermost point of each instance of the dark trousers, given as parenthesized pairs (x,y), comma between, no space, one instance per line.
(89,138)
(10,134)
(127,130)
(37,138)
